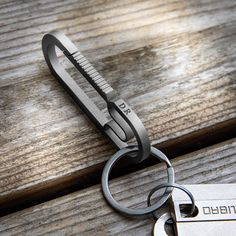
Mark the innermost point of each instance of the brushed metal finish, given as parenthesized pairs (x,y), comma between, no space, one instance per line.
(216,204)
(159,227)
(123,124)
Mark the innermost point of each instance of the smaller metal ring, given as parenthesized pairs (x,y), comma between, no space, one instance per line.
(174,185)
(105,178)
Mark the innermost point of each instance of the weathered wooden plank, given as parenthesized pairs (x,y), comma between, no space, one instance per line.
(182,85)
(102,28)
(86,213)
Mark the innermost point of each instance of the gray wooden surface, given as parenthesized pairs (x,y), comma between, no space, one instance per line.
(172,61)
(86,213)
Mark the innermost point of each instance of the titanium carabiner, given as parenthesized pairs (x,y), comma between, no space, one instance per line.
(123,124)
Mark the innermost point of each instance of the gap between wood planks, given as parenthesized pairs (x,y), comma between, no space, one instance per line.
(92,175)
(86,213)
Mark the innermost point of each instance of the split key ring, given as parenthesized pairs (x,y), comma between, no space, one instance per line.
(141,211)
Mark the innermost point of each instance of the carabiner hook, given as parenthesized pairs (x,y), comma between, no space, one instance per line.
(123,124)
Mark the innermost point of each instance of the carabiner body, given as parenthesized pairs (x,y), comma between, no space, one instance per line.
(122,124)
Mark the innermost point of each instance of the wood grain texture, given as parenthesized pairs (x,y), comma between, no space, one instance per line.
(173,62)
(101,28)
(86,212)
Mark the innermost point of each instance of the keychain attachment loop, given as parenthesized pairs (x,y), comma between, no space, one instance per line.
(129,211)
(123,124)
(172,185)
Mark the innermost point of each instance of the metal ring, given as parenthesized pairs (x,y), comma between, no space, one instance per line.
(105,184)
(173,185)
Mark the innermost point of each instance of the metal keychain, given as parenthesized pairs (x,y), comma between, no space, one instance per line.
(215,212)
(122,125)
(216,204)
